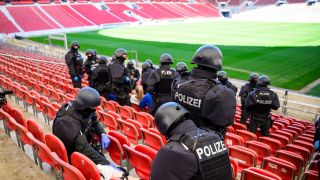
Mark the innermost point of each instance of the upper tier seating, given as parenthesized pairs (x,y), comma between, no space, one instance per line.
(6,25)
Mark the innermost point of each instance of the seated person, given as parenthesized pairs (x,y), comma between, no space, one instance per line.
(144,101)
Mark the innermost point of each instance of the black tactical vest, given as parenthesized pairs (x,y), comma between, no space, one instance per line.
(103,73)
(263,102)
(211,154)
(166,78)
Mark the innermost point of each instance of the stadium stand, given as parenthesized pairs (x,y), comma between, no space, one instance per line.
(95,15)
(66,16)
(6,25)
(39,20)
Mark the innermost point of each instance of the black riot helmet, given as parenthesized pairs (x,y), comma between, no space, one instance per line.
(121,54)
(87,97)
(181,67)
(168,116)
(222,74)
(89,51)
(253,77)
(94,52)
(166,58)
(102,60)
(75,43)
(263,81)
(145,66)
(130,63)
(208,56)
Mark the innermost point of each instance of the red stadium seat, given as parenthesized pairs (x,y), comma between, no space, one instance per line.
(304,144)
(294,133)
(239,126)
(154,130)
(109,121)
(244,156)
(305,153)
(246,135)
(56,146)
(115,149)
(310,175)
(273,143)
(286,134)
(152,153)
(43,152)
(150,118)
(141,162)
(284,140)
(230,129)
(234,166)
(292,157)
(313,166)
(68,172)
(35,130)
(233,139)
(114,114)
(282,168)
(143,119)
(18,116)
(305,139)
(296,129)
(263,150)
(254,173)
(85,165)
(21,132)
(125,112)
(130,131)
(151,139)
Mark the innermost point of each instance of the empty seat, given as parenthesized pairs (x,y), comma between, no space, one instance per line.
(304,144)
(230,129)
(244,156)
(254,173)
(263,150)
(109,121)
(305,139)
(141,162)
(234,166)
(239,126)
(56,146)
(143,119)
(286,134)
(284,140)
(292,157)
(246,135)
(125,112)
(305,153)
(282,168)
(296,129)
(85,165)
(310,175)
(273,143)
(67,171)
(152,153)
(115,149)
(151,139)
(233,139)
(130,131)
(35,130)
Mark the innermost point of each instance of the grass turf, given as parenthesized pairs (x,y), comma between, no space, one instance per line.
(287,52)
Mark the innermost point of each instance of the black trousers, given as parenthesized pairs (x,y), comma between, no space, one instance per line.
(244,115)
(263,123)
(77,84)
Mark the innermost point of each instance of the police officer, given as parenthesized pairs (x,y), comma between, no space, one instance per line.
(182,69)
(223,78)
(133,73)
(76,125)
(90,64)
(159,82)
(74,62)
(259,104)
(192,152)
(244,92)
(146,71)
(100,77)
(151,64)
(120,82)
(211,104)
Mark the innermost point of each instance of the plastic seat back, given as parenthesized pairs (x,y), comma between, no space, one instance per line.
(304,144)
(130,131)
(234,166)
(154,130)
(125,112)
(239,126)
(284,140)
(244,156)
(44,153)
(151,139)
(141,162)
(18,116)
(233,139)
(246,135)
(57,146)
(85,165)
(254,173)
(310,175)
(292,157)
(108,120)
(68,172)
(152,153)
(282,168)
(263,150)
(143,119)
(305,153)
(35,130)
(273,143)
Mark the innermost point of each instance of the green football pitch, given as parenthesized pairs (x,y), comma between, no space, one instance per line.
(289,53)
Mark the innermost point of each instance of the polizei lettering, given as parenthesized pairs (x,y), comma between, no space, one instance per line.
(188,100)
(211,149)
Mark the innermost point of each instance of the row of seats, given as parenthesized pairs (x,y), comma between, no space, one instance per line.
(68,16)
